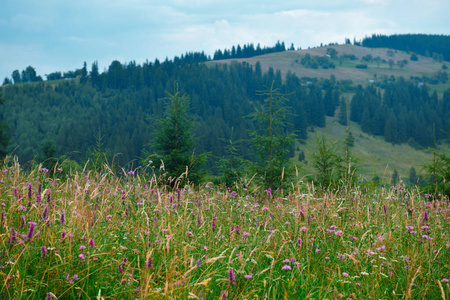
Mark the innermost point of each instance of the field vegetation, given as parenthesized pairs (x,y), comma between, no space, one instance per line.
(98,235)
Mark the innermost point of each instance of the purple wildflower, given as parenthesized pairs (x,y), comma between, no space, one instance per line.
(231,277)
(82,257)
(213,224)
(63,219)
(224,294)
(444,280)
(31,230)
(249,276)
(299,242)
(30,190)
(92,243)
(425,217)
(43,251)
(286,267)
(198,262)
(3,216)
(344,274)
(45,213)
(13,236)
(149,263)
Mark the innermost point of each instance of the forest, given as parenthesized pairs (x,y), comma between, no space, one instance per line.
(117,113)
(431,45)
(122,103)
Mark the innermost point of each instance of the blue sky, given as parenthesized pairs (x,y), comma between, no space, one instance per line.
(59,35)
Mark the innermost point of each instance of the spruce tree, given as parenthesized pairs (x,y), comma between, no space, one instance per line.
(174,140)
(270,141)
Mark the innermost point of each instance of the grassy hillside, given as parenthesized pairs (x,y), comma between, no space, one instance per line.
(375,156)
(289,61)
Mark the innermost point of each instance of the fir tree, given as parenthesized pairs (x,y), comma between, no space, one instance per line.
(270,141)
(174,139)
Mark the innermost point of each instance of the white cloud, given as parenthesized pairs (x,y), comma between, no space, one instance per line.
(57,35)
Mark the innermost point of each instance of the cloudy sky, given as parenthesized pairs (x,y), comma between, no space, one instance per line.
(59,35)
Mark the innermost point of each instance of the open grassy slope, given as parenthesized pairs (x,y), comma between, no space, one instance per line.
(289,61)
(375,156)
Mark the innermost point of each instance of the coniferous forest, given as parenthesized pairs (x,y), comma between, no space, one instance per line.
(117,112)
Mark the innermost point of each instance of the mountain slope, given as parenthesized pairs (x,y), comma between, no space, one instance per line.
(345,69)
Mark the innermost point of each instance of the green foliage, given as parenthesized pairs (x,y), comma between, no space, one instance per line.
(412,176)
(4,136)
(270,141)
(333,53)
(174,139)
(49,155)
(438,173)
(361,66)
(326,162)
(314,62)
(232,166)
(414,57)
(394,178)
(98,156)
(424,44)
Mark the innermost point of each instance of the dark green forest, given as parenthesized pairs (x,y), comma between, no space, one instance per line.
(119,111)
(431,45)
(123,103)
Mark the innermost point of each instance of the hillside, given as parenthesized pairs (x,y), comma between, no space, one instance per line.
(346,69)
(118,109)
(375,156)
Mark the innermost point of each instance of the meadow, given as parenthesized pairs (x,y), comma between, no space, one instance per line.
(101,236)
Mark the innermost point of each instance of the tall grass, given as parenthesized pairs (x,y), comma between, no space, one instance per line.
(97,236)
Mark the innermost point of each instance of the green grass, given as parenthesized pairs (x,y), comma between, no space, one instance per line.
(375,156)
(134,238)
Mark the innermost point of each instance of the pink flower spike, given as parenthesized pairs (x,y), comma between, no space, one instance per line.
(286,267)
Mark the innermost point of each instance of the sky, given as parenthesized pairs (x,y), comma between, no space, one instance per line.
(60,35)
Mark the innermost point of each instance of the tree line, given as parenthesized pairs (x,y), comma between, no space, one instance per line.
(430,45)
(403,113)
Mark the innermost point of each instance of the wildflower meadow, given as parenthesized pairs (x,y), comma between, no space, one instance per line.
(101,236)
